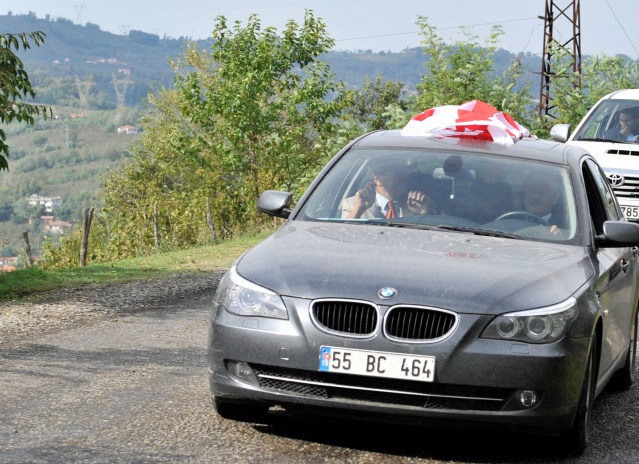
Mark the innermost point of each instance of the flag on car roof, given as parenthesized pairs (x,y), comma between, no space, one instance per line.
(471,120)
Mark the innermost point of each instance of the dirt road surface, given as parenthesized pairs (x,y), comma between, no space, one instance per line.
(130,386)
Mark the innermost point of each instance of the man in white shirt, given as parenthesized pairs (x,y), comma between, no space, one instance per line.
(387,195)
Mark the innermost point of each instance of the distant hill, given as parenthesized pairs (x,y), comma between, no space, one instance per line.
(84,53)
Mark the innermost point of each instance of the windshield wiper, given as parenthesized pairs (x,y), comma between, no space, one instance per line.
(601,139)
(469,230)
(476,231)
(391,223)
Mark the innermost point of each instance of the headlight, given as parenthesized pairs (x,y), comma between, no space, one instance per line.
(545,325)
(239,296)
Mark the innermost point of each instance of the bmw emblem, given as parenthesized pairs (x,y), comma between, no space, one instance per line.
(386,293)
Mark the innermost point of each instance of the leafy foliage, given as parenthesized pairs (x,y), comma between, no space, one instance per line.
(261,111)
(15,86)
(464,71)
(255,112)
(369,103)
(574,93)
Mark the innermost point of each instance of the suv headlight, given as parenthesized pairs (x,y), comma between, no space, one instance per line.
(244,298)
(544,325)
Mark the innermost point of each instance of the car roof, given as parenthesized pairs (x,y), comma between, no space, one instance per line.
(528,148)
(624,94)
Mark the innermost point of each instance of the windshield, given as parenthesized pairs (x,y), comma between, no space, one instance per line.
(466,192)
(612,120)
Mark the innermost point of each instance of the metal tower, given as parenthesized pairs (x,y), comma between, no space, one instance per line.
(79,9)
(84,88)
(569,17)
(120,86)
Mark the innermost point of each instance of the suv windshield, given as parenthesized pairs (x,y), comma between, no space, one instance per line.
(612,120)
(470,192)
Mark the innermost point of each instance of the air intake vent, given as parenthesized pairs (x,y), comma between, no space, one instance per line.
(623,152)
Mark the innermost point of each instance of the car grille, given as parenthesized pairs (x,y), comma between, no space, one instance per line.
(406,323)
(378,391)
(629,186)
(346,317)
(410,323)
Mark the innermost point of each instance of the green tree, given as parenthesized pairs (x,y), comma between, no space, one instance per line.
(255,112)
(464,71)
(15,86)
(370,103)
(574,93)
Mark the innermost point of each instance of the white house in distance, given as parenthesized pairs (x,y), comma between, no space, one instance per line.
(48,202)
(128,129)
(53,226)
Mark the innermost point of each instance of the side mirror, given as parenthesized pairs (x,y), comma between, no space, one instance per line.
(275,203)
(560,132)
(619,234)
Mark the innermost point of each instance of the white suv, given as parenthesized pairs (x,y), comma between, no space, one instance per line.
(619,159)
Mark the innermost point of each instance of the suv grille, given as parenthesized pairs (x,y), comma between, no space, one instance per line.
(409,393)
(623,184)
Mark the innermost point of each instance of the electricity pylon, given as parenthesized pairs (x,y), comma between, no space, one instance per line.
(557,16)
(120,86)
(84,89)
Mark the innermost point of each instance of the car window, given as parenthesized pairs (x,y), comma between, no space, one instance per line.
(602,203)
(455,189)
(604,122)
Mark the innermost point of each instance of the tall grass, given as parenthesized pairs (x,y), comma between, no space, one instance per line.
(33,281)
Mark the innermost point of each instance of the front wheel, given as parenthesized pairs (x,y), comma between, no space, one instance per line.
(577,436)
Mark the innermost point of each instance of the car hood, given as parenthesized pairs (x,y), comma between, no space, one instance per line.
(457,271)
(611,160)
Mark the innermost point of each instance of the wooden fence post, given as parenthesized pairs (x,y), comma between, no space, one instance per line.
(87,215)
(27,250)
(156,227)
(209,220)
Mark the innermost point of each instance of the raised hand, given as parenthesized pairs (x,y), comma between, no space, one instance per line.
(419,203)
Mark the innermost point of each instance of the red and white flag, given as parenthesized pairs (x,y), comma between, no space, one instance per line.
(474,119)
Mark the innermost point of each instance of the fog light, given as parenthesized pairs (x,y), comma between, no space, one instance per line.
(242,372)
(527,398)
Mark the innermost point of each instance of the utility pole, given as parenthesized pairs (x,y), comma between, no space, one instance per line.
(554,16)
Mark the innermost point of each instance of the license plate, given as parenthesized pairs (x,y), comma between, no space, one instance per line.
(377,364)
(631,212)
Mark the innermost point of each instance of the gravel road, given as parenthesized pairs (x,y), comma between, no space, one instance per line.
(118,375)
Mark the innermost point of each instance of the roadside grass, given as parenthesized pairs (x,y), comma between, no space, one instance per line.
(30,282)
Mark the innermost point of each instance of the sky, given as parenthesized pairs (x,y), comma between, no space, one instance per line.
(607,26)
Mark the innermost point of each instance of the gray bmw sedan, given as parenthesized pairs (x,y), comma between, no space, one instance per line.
(435,281)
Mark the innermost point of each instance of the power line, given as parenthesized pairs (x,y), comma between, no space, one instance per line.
(622,28)
(439,29)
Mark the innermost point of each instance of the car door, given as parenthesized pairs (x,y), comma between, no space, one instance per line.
(617,270)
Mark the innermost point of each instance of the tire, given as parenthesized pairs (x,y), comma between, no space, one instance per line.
(577,437)
(241,412)
(625,377)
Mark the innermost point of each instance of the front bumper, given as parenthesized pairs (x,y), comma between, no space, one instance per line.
(477,381)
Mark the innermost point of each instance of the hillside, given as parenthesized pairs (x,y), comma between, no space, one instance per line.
(87,53)
(105,77)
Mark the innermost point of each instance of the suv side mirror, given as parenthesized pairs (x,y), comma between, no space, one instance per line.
(560,132)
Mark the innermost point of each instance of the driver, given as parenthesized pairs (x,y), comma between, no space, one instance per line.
(540,196)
